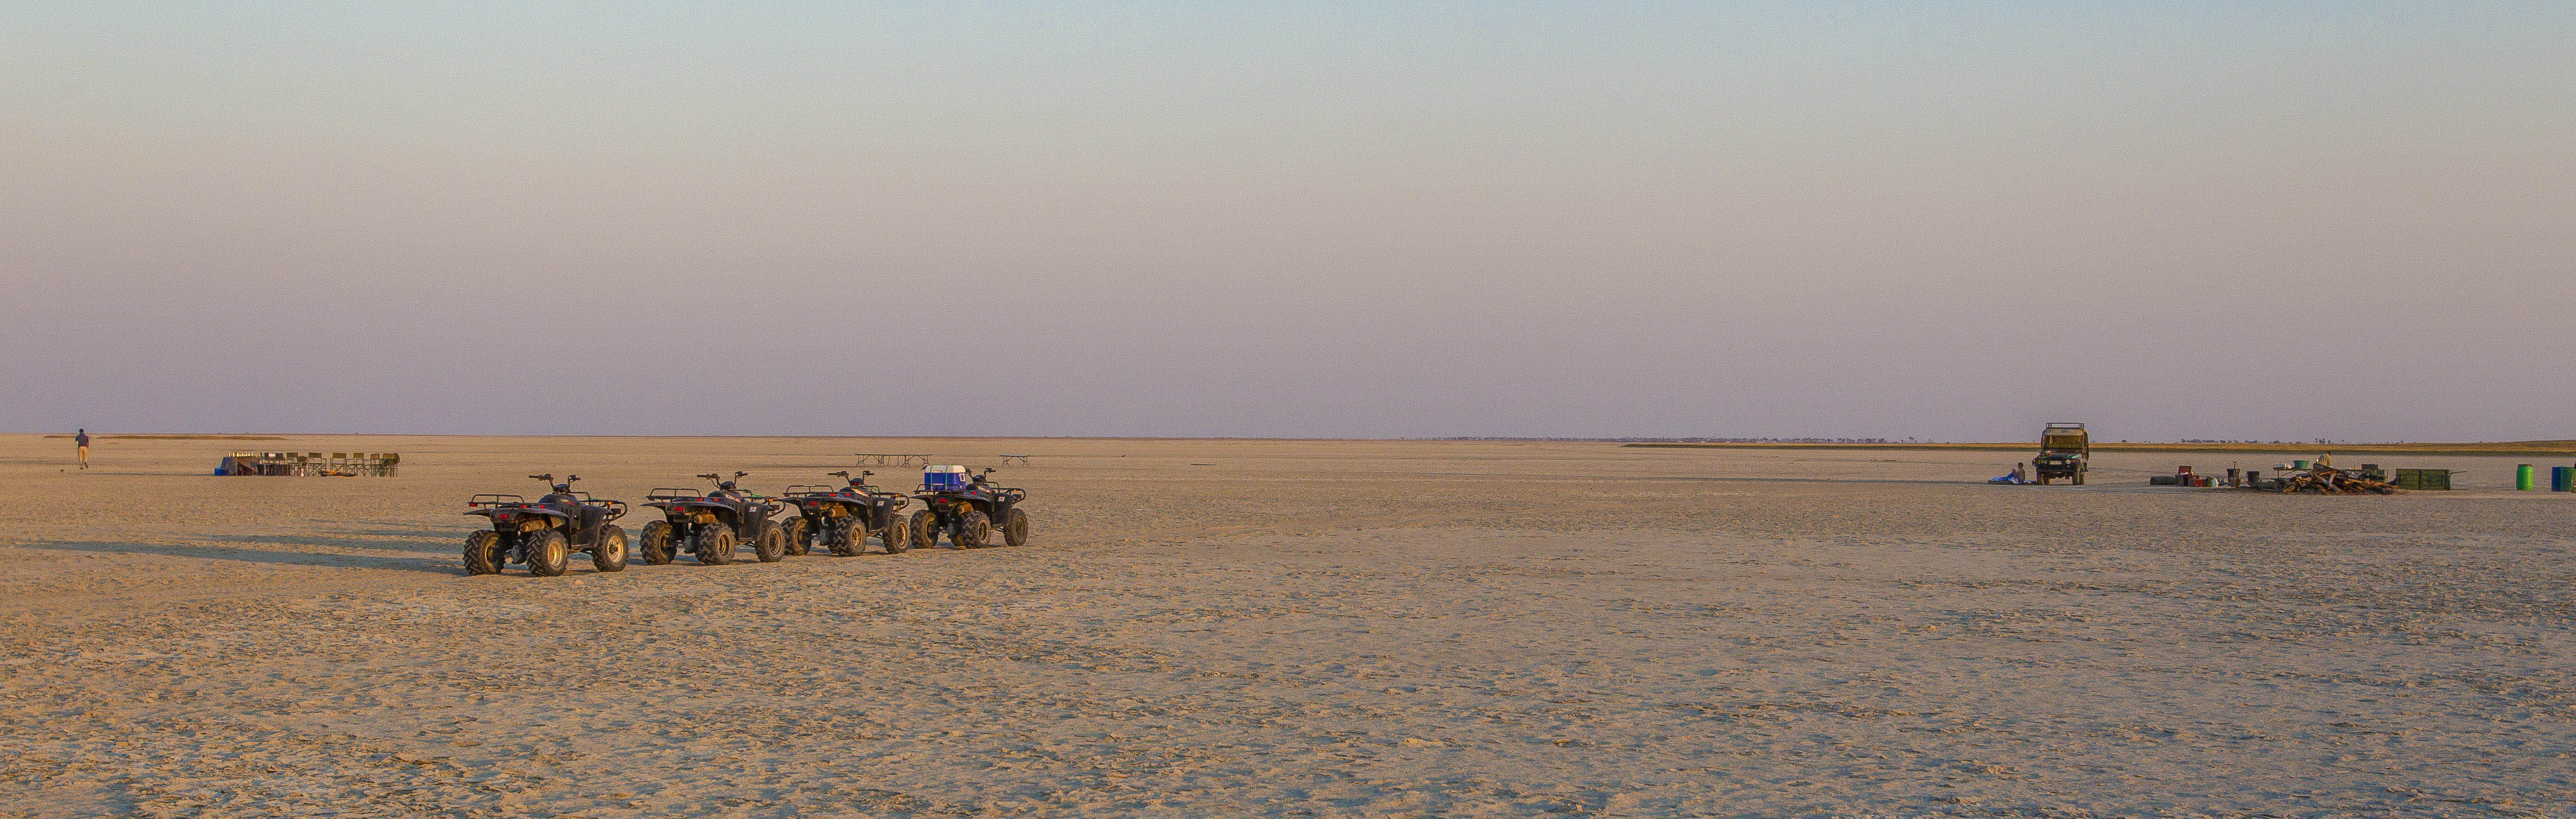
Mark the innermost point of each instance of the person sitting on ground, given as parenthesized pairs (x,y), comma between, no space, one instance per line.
(2020,473)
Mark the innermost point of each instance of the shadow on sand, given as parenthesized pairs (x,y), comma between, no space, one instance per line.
(402,542)
(442,564)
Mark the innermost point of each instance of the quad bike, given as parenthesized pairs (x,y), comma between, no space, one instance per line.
(842,518)
(711,524)
(968,509)
(542,535)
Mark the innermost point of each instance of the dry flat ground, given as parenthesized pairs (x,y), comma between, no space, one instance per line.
(1254,628)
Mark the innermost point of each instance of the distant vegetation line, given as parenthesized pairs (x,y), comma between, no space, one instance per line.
(2487,448)
(187,437)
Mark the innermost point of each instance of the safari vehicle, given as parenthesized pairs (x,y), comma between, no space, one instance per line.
(2065,451)
(842,518)
(711,524)
(967,508)
(542,535)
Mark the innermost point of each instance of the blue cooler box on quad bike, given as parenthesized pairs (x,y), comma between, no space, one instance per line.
(944,478)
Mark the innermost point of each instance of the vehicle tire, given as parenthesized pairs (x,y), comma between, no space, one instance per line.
(1015,528)
(713,544)
(546,552)
(973,531)
(2078,480)
(483,553)
(770,545)
(925,528)
(845,537)
(609,553)
(898,536)
(656,543)
(795,532)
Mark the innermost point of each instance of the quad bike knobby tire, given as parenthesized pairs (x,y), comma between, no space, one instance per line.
(845,537)
(898,536)
(1015,528)
(796,534)
(770,545)
(545,552)
(973,531)
(608,554)
(656,544)
(713,544)
(483,553)
(925,528)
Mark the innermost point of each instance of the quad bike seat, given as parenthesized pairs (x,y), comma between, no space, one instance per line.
(584,515)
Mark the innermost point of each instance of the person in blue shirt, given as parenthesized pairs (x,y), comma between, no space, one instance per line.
(81,442)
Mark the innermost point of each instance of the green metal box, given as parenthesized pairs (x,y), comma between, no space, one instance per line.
(2424,479)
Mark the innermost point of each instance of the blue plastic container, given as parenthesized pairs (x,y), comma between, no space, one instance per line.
(944,478)
(2562,479)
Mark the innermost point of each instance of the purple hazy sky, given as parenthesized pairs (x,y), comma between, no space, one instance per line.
(1945,220)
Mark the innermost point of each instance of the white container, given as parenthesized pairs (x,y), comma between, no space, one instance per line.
(943,478)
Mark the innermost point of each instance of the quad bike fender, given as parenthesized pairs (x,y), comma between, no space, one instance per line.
(719,508)
(819,504)
(521,512)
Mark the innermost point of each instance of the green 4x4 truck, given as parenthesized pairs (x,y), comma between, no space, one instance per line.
(2064,450)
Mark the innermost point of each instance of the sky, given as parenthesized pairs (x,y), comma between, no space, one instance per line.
(1950,221)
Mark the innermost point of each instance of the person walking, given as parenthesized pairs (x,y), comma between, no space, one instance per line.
(81,441)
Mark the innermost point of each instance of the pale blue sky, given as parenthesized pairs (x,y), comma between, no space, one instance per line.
(1945,220)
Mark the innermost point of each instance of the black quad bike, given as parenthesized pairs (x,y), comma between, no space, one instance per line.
(543,535)
(711,524)
(968,515)
(842,518)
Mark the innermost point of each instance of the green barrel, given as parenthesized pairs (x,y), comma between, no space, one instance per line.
(2299,465)
(2522,477)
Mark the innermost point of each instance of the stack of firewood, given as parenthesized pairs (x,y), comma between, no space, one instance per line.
(2327,480)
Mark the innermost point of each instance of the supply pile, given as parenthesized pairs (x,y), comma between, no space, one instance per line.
(2327,480)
